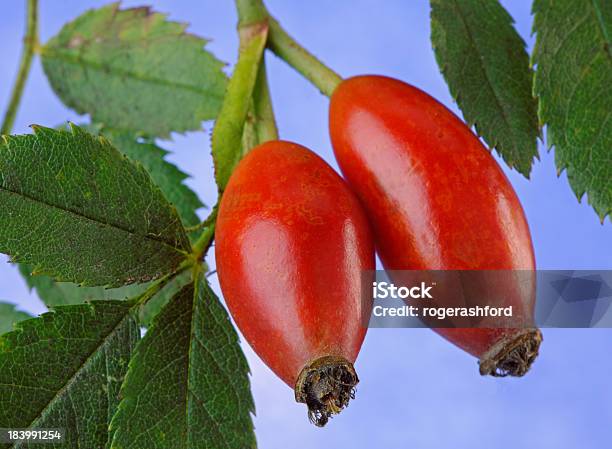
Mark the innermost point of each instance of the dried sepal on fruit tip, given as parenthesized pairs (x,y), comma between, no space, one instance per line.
(512,356)
(326,386)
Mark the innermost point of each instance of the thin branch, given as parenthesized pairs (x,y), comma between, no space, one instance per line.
(250,11)
(286,48)
(30,42)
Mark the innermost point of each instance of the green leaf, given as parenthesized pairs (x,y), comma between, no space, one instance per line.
(64,370)
(54,293)
(228,132)
(484,62)
(187,386)
(169,178)
(132,69)
(165,174)
(574,83)
(78,210)
(9,315)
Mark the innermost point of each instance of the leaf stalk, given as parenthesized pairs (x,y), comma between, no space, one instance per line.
(159,284)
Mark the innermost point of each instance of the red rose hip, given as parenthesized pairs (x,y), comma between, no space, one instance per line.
(437,200)
(291,244)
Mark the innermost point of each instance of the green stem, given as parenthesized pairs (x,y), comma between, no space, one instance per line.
(265,123)
(286,48)
(252,16)
(200,247)
(156,286)
(260,125)
(250,11)
(249,132)
(30,41)
(195,228)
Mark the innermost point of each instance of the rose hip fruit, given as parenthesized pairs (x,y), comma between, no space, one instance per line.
(292,241)
(436,199)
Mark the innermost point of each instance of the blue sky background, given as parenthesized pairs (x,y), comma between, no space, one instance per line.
(416,390)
